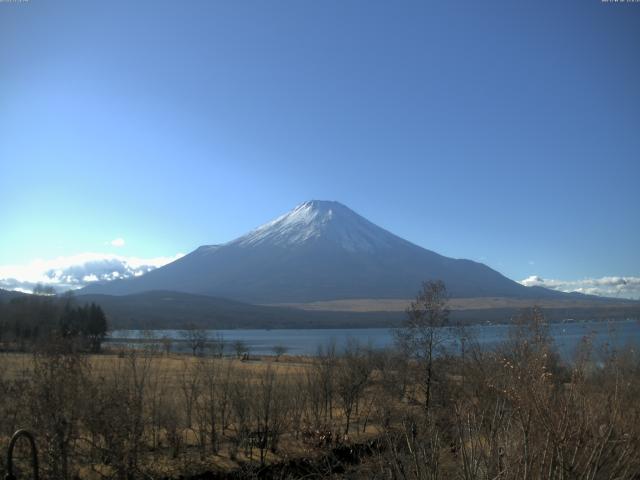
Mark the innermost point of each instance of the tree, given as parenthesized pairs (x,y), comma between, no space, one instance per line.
(352,377)
(269,406)
(279,350)
(217,345)
(196,338)
(95,328)
(89,323)
(423,331)
(167,344)
(240,347)
(56,390)
(325,369)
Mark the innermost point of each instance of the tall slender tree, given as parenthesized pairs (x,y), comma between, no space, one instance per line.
(423,333)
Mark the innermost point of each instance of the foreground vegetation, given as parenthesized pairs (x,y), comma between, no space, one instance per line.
(513,411)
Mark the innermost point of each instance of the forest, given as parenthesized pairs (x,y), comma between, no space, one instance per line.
(31,322)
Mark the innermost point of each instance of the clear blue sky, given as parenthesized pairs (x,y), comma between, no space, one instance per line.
(501,131)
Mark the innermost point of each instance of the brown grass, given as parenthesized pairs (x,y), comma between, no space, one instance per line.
(479,303)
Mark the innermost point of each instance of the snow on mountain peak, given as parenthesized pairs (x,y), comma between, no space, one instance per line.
(320,219)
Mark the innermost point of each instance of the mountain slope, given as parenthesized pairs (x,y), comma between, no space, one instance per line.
(163,309)
(319,251)
(8,295)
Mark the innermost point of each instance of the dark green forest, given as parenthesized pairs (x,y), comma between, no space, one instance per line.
(31,321)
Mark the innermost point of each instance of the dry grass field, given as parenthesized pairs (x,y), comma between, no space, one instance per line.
(480,303)
(183,414)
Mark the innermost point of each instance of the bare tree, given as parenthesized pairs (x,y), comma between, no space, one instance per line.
(218,345)
(208,402)
(196,338)
(279,350)
(270,409)
(352,376)
(240,348)
(325,376)
(422,333)
(58,382)
(298,401)
(189,382)
(117,415)
(240,402)
(224,394)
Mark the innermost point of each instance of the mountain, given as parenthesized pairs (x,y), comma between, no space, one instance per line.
(320,250)
(8,295)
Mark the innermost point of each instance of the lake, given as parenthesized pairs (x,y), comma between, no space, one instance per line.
(567,336)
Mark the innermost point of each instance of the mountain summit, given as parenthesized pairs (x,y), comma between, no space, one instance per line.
(320,221)
(320,250)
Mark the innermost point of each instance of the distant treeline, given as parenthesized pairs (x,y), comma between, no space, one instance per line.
(36,320)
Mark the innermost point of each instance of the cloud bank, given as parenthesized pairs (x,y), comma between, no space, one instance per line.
(77,271)
(619,287)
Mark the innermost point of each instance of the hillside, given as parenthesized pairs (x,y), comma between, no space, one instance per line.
(174,310)
(164,309)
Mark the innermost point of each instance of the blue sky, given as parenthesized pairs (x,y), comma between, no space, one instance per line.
(505,132)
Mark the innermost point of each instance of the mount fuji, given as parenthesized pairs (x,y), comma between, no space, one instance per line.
(320,250)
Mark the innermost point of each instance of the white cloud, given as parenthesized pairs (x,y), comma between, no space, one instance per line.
(620,287)
(117,242)
(77,271)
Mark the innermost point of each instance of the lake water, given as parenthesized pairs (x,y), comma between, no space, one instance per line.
(567,336)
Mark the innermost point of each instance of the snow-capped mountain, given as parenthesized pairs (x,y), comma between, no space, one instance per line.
(320,250)
(320,221)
